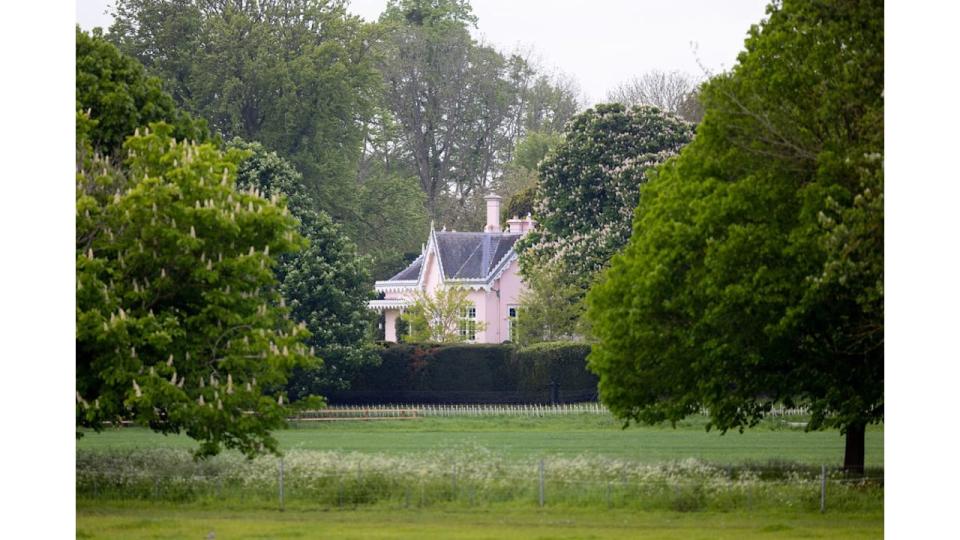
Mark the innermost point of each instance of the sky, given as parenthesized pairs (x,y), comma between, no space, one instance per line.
(599,43)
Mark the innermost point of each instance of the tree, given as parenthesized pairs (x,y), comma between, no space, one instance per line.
(449,95)
(518,183)
(589,185)
(755,270)
(180,325)
(461,106)
(520,203)
(296,75)
(392,205)
(326,285)
(441,317)
(543,102)
(550,309)
(118,97)
(671,91)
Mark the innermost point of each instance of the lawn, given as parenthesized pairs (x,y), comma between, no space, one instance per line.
(141,521)
(533,437)
(475,477)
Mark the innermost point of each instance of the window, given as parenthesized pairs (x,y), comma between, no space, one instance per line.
(468,323)
(511,323)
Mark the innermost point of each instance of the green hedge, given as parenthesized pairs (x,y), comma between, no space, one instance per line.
(432,373)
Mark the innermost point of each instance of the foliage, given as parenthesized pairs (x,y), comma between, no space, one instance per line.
(520,204)
(531,150)
(114,91)
(440,317)
(326,285)
(589,185)
(755,270)
(180,325)
(296,75)
(518,183)
(473,373)
(393,210)
(561,363)
(460,106)
(550,308)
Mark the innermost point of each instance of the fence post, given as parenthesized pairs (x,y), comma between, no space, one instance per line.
(823,488)
(541,482)
(281,483)
(339,491)
(609,502)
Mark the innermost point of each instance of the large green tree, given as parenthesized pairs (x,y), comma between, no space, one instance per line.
(755,270)
(460,106)
(326,285)
(180,324)
(296,75)
(589,185)
(118,96)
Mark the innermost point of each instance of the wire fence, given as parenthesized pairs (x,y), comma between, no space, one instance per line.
(535,483)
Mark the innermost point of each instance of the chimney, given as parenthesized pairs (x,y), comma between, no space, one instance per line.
(493,213)
(521,226)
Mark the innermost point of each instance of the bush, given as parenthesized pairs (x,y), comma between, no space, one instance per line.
(461,373)
(560,362)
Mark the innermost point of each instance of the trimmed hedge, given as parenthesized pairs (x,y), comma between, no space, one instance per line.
(431,373)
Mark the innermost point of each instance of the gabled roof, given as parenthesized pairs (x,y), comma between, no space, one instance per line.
(476,257)
(411,272)
(472,255)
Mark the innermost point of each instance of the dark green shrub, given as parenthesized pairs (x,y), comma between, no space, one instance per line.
(474,373)
(559,362)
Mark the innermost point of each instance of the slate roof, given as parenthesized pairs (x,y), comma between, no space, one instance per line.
(465,255)
(410,273)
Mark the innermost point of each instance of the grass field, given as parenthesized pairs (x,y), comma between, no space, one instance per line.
(140,521)
(532,437)
(475,477)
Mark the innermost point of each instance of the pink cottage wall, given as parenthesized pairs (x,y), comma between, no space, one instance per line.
(492,306)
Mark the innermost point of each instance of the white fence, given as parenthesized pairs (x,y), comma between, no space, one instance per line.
(453,410)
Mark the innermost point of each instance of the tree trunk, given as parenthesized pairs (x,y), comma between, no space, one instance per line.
(853,457)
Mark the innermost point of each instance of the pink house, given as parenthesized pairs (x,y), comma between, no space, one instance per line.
(483,263)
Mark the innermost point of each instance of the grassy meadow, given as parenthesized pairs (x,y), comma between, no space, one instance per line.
(537,437)
(477,477)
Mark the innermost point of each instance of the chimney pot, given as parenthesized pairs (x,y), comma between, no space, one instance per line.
(493,213)
(521,226)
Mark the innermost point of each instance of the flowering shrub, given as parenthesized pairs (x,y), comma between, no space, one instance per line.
(589,187)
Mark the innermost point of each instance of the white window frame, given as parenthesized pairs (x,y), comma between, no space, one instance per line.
(468,323)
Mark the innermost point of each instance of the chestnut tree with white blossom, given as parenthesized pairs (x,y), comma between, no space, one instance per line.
(589,187)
